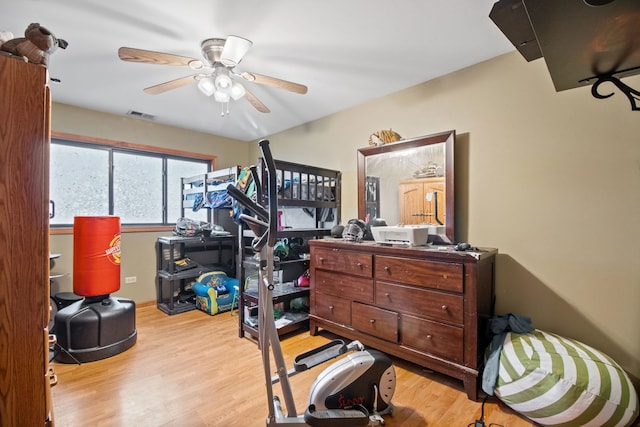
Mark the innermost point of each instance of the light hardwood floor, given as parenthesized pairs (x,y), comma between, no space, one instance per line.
(191,369)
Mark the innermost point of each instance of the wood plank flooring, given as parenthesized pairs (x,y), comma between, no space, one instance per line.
(191,369)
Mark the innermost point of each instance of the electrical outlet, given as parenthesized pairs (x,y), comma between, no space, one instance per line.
(132,279)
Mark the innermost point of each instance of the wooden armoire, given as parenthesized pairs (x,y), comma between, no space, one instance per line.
(422,200)
(25,391)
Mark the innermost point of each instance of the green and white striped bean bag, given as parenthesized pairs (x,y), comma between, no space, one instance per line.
(555,381)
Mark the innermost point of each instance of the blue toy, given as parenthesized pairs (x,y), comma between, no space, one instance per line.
(215,292)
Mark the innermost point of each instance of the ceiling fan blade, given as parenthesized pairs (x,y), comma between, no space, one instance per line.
(172,84)
(272,81)
(150,57)
(256,102)
(234,50)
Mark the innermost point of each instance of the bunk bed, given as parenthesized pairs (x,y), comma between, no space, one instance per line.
(313,190)
(309,201)
(181,259)
(208,190)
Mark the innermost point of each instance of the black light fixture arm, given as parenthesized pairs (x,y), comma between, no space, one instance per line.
(632,94)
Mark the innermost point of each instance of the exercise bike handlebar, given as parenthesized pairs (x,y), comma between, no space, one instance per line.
(245,201)
(265,217)
(272,192)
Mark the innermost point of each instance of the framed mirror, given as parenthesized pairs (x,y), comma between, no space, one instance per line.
(409,182)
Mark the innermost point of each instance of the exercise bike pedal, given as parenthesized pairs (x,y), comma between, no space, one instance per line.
(319,355)
(355,416)
(376,420)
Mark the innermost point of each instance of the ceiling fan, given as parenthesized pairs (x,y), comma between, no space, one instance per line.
(217,71)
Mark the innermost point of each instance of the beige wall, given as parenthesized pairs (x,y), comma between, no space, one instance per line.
(550,179)
(69,119)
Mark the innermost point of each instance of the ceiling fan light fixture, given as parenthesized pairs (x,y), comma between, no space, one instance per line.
(221,96)
(206,86)
(237,91)
(234,50)
(223,82)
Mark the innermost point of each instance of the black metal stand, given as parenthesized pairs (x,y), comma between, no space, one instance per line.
(56,346)
(632,94)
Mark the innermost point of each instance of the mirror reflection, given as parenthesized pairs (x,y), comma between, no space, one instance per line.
(409,182)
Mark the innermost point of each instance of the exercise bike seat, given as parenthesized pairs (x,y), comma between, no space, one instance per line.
(319,355)
(355,416)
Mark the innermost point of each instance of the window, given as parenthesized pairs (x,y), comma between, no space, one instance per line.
(137,188)
(142,187)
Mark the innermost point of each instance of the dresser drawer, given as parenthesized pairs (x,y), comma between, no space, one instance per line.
(424,302)
(343,285)
(331,307)
(428,274)
(375,321)
(343,261)
(432,337)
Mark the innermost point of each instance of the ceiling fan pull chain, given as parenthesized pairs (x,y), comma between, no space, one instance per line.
(223,112)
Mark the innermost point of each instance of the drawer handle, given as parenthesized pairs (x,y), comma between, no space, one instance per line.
(372,321)
(331,308)
(388,295)
(387,268)
(444,276)
(429,336)
(445,308)
(359,264)
(320,259)
(53,380)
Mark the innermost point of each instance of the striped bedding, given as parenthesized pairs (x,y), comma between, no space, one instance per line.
(556,381)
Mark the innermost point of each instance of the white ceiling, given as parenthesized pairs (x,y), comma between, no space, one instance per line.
(346,51)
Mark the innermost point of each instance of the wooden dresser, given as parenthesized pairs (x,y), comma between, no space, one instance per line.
(427,305)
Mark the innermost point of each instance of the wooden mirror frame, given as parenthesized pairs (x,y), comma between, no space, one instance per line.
(447,138)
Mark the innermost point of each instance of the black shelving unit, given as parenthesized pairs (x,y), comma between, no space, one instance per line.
(172,284)
(284,292)
(314,190)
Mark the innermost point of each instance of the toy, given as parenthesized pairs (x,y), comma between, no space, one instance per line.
(382,137)
(37,45)
(215,292)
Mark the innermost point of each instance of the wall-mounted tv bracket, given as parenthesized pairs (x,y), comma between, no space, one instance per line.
(632,94)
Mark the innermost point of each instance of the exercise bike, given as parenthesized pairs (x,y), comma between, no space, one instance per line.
(356,390)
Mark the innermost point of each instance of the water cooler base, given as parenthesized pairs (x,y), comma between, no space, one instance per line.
(95,328)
